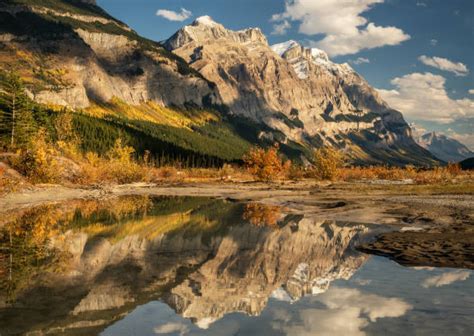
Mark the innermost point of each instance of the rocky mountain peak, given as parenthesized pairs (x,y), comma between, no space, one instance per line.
(284,47)
(205,29)
(205,20)
(296,91)
(319,54)
(444,147)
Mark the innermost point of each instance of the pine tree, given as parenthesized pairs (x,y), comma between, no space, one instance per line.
(17,124)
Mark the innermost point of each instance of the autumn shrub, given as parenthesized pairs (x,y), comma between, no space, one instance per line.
(454,169)
(117,166)
(295,172)
(39,162)
(3,179)
(168,173)
(441,174)
(266,164)
(327,162)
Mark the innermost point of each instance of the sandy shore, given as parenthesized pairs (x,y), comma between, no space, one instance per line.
(436,224)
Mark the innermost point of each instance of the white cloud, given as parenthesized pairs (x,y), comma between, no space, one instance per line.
(348,311)
(174,16)
(374,306)
(423,97)
(281,28)
(434,42)
(417,132)
(360,60)
(444,64)
(421,4)
(346,31)
(172,327)
(445,279)
(471,91)
(334,322)
(464,138)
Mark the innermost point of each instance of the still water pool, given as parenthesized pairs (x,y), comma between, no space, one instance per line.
(198,266)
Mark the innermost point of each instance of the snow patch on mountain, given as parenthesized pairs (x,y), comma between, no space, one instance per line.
(301,57)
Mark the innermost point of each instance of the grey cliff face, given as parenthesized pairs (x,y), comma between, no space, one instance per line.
(100,65)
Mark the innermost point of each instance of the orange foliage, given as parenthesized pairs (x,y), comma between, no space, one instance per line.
(266,165)
(420,176)
(261,214)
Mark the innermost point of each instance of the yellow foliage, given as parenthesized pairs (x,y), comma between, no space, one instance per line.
(117,167)
(327,163)
(153,112)
(39,162)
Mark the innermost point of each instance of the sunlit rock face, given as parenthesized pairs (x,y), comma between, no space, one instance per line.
(94,58)
(297,91)
(205,258)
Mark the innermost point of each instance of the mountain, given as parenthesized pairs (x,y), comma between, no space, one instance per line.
(444,148)
(72,54)
(204,96)
(301,97)
(77,54)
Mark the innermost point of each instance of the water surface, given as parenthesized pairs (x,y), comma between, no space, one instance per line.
(199,266)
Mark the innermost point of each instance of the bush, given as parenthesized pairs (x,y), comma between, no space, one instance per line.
(117,167)
(266,165)
(327,163)
(295,172)
(39,161)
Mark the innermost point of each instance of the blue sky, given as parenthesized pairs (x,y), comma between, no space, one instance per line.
(420,53)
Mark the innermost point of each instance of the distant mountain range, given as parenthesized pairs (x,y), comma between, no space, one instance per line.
(444,148)
(207,93)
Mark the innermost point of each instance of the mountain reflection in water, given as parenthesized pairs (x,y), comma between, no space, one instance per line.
(86,267)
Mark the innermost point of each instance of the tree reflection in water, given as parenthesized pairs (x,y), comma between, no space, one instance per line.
(262,214)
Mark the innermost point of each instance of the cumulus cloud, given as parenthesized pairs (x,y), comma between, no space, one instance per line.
(423,96)
(467,139)
(444,64)
(281,28)
(174,16)
(374,306)
(345,30)
(434,42)
(417,132)
(446,279)
(471,91)
(348,311)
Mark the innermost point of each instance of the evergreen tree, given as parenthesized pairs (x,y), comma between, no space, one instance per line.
(17,124)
